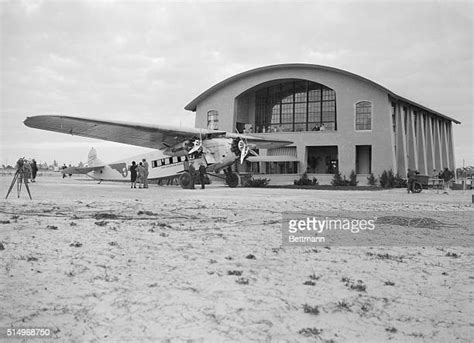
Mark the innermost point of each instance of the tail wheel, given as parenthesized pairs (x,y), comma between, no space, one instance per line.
(185,180)
(232,180)
(417,187)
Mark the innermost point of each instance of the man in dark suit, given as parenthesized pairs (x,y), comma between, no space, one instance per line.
(202,175)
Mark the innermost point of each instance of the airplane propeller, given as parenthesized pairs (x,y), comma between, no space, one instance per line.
(245,150)
(197,144)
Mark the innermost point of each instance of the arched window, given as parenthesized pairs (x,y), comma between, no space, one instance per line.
(363,115)
(295,106)
(213,120)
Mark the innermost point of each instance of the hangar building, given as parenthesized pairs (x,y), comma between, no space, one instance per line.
(336,119)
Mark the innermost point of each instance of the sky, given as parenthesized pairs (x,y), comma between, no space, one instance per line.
(143,61)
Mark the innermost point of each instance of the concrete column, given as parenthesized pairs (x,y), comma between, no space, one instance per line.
(393,138)
(437,145)
(451,145)
(302,157)
(445,145)
(421,145)
(411,141)
(402,162)
(430,158)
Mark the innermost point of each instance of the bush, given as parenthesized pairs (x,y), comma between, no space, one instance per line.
(387,179)
(338,180)
(371,179)
(256,182)
(353,179)
(305,181)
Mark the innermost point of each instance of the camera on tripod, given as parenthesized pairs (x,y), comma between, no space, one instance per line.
(22,174)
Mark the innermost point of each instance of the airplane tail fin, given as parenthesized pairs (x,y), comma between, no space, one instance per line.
(92,159)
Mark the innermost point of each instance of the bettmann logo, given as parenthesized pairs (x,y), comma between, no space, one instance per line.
(308,230)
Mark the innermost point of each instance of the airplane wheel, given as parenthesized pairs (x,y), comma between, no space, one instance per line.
(185,180)
(417,187)
(232,180)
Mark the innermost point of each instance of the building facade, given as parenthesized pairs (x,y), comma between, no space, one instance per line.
(337,120)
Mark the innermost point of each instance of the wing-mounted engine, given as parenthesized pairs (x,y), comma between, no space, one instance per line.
(242,149)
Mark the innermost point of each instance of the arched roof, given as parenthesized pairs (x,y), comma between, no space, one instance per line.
(193,104)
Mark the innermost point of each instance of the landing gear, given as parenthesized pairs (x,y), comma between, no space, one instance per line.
(232,179)
(185,180)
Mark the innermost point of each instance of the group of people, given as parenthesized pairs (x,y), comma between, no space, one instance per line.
(139,173)
(202,174)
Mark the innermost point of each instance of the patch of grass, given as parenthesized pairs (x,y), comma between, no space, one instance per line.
(75,244)
(52,227)
(101,223)
(311,309)
(386,256)
(242,281)
(99,216)
(389,283)
(391,329)
(314,277)
(453,255)
(309,283)
(343,305)
(234,272)
(357,286)
(365,307)
(250,257)
(146,213)
(310,332)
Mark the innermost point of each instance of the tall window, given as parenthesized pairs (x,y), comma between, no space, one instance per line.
(213,120)
(295,106)
(363,115)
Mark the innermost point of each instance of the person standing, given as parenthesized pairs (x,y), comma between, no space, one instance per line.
(34,170)
(202,175)
(192,173)
(141,174)
(145,178)
(133,175)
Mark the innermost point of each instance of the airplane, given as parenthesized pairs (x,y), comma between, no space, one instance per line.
(163,167)
(218,149)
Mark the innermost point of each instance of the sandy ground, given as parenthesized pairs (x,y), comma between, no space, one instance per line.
(107,263)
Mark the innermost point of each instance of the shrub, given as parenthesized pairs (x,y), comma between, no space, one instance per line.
(353,179)
(387,179)
(304,180)
(371,179)
(256,182)
(338,180)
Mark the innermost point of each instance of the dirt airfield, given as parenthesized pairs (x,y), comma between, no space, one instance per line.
(109,263)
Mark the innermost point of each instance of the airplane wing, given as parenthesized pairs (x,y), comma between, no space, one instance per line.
(148,136)
(144,135)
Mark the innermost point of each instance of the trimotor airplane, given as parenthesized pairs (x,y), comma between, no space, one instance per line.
(218,149)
